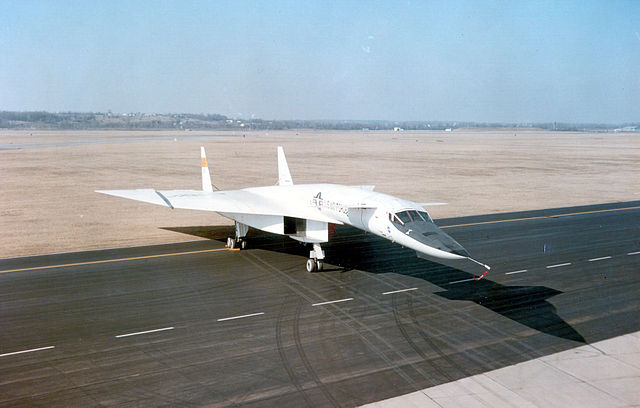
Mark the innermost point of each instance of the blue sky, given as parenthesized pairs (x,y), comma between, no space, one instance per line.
(510,61)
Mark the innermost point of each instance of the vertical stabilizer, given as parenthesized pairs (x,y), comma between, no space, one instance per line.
(206,177)
(284,177)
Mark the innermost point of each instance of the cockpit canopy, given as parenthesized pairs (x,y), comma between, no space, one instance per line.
(418,225)
(404,217)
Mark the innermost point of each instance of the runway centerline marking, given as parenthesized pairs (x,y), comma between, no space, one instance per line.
(602,258)
(240,317)
(514,272)
(27,351)
(134,258)
(633,253)
(558,265)
(144,332)
(332,301)
(541,217)
(398,291)
(460,281)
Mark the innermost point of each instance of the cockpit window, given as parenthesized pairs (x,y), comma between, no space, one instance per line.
(414,216)
(425,215)
(404,217)
(394,218)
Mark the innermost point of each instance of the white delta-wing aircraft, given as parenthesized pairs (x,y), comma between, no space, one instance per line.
(304,212)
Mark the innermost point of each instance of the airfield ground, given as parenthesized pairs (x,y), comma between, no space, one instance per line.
(49,177)
(555,323)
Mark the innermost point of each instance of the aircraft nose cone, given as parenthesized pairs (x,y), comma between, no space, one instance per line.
(430,234)
(461,252)
(442,241)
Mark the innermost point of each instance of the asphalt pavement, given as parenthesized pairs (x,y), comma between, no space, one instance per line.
(194,324)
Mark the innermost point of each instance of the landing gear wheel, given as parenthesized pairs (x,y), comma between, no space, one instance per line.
(243,244)
(311,265)
(231,243)
(319,265)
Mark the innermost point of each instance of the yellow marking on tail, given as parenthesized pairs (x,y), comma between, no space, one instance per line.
(204,162)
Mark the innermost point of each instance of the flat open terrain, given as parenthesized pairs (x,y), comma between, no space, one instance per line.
(184,324)
(48,204)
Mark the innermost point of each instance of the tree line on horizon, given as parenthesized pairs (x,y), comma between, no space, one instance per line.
(189,121)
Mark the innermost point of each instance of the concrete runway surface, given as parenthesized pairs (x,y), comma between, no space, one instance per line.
(194,324)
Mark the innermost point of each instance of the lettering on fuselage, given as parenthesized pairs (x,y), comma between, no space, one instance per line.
(322,204)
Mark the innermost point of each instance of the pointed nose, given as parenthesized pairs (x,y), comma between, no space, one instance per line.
(433,236)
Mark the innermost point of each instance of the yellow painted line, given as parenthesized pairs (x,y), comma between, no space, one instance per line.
(237,249)
(114,260)
(541,217)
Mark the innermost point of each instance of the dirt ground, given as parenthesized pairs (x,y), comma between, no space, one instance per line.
(48,202)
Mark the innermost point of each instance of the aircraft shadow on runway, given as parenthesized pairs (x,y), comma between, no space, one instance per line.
(350,248)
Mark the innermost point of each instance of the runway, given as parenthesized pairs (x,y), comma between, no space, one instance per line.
(195,324)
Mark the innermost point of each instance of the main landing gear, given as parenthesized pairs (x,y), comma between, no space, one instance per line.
(238,242)
(316,257)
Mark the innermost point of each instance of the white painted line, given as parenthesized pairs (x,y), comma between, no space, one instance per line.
(27,351)
(398,291)
(599,259)
(144,332)
(558,265)
(460,281)
(240,317)
(332,301)
(514,272)
(633,253)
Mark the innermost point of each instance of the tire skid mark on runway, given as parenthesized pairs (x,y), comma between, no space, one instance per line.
(283,356)
(291,283)
(305,360)
(479,324)
(427,339)
(154,352)
(445,356)
(383,308)
(409,340)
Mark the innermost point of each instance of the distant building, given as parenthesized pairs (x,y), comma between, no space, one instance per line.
(626,129)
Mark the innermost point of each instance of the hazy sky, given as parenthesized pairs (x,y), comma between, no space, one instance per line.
(572,61)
